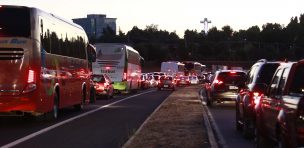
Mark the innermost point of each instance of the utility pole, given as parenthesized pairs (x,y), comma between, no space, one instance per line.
(206,22)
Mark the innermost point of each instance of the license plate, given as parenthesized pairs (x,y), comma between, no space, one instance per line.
(165,85)
(233,87)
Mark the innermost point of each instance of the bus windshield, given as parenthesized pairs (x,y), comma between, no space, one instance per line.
(14,22)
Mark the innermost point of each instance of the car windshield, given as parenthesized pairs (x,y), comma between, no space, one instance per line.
(232,77)
(99,79)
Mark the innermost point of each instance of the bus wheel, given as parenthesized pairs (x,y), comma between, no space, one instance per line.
(53,115)
(80,106)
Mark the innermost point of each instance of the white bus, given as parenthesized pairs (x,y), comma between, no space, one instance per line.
(194,68)
(121,63)
(172,68)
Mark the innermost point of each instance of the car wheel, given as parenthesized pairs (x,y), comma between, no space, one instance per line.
(247,130)
(260,141)
(159,88)
(237,117)
(92,95)
(209,102)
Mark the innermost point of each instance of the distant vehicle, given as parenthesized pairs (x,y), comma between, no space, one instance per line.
(194,79)
(144,81)
(152,81)
(182,80)
(280,111)
(121,63)
(225,86)
(166,82)
(44,63)
(103,86)
(194,68)
(172,68)
(258,78)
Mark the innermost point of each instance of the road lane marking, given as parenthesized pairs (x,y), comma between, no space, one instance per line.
(221,141)
(28,137)
(209,123)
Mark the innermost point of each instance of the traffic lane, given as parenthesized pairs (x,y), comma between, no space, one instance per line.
(108,127)
(224,116)
(13,128)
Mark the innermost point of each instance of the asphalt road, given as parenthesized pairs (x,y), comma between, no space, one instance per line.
(224,117)
(107,123)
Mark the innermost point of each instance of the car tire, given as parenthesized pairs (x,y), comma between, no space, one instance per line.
(92,95)
(237,117)
(246,130)
(209,102)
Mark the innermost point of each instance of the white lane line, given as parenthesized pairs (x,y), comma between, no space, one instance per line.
(210,133)
(67,121)
(221,141)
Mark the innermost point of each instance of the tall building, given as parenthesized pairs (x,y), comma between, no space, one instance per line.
(94,24)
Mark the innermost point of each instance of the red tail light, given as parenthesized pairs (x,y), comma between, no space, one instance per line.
(31,85)
(124,76)
(218,81)
(31,76)
(232,72)
(256,97)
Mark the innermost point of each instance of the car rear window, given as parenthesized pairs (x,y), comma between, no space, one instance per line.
(266,73)
(232,77)
(297,84)
(99,79)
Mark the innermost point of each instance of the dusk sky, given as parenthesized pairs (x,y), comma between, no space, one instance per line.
(175,15)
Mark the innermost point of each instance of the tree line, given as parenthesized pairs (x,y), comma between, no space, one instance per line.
(273,42)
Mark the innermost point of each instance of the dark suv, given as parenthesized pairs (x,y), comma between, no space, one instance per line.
(280,112)
(258,77)
(225,86)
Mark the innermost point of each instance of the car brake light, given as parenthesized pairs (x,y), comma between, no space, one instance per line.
(108,68)
(218,81)
(256,97)
(232,72)
(124,76)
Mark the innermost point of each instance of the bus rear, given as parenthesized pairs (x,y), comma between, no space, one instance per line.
(17,75)
(111,60)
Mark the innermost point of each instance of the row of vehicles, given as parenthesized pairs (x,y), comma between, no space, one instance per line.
(49,64)
(269,101)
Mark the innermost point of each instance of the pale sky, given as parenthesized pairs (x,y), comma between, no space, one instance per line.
(175,15)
